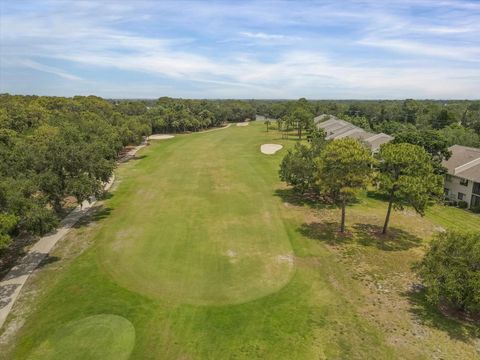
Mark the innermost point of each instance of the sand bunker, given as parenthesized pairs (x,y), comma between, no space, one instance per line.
(270,149)
(160,137)
(242,124)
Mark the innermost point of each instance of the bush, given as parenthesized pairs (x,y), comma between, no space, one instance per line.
(475,209)
(462,204)
(451,271)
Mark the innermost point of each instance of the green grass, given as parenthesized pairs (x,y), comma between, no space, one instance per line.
(197,228)
(193,249)
(96,337)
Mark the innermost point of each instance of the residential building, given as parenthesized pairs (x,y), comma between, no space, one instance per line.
(336,128)
(463,180)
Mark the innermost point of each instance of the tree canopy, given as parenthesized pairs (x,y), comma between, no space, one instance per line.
(450,271)
(344,167)
(407,178)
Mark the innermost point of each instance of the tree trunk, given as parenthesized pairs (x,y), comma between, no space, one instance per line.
(342,223)
(387,218)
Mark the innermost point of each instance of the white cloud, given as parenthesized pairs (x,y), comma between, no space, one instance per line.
(90,38)
(49,69)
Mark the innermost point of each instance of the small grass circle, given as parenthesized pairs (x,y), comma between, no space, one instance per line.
(95,337)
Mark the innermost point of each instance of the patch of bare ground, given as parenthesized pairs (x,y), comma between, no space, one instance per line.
(388,293)
(384,273)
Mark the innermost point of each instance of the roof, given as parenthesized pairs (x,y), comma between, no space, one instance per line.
(464,162)
(336,128)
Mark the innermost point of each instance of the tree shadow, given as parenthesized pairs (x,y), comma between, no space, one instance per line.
(96,213)
(396,239)
(448,321)
(295,198)
(126,158)
(377,195)
(327,232)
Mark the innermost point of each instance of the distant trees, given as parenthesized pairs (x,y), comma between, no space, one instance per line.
(178,115)
(54,149)
(450,271)
(406,177)
(344,167)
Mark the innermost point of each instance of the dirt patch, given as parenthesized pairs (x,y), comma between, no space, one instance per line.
(242,124)
(270,149)
(281,259)
(232,256)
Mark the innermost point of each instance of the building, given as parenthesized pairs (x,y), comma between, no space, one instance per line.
(336,128)
(463,180)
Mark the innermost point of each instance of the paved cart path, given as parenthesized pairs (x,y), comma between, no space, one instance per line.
(13,282)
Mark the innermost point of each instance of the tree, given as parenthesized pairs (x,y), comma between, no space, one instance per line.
(450,270)
(303,120)
(406,176)
(7,224)
(344,167)
(443,119)
(267,123)
(457,134)
(432,141)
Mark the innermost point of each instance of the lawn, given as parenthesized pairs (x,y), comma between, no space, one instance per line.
(201,253)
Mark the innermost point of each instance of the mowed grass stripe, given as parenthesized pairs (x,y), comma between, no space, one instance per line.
(198,228)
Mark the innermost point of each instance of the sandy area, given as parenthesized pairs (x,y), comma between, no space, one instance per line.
(242,124)
(160,137)
(270,149)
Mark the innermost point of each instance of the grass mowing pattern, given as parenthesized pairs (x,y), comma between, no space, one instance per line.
(96,337)
(196,228)
(323,312)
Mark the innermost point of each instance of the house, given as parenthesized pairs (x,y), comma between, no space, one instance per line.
(463,180)
(336,128)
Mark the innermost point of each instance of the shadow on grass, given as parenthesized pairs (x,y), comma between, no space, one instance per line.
(327,232)
(396,239)
(126,158)
(95,214)
(446,321)
(295,198)
(363,234)
(377,196)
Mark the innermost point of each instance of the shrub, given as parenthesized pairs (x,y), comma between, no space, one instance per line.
(451,271)
(475,209)
(462,204)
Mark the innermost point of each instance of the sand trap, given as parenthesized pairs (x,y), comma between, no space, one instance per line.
(160,137)
(242,124)
(270,149)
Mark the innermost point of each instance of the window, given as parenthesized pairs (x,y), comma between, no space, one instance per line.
(445,191)
(460,196)
(448,178)
(476,188)
(464,182)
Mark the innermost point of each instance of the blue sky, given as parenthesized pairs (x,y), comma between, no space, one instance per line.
(241,49)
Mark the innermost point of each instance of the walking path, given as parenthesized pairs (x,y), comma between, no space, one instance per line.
(13,282)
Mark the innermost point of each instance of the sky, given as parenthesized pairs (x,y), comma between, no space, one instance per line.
(241,49)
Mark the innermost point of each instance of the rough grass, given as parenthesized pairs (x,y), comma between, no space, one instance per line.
(347,297)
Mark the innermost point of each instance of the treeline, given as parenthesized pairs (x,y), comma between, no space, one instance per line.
(168,115)
(457,122)
(56,150)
